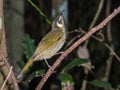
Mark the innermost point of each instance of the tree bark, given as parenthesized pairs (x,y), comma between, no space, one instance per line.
(14,23)
(3,69)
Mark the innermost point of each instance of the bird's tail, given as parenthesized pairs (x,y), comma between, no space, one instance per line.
(25,68)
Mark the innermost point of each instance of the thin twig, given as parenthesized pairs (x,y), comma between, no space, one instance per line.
(109,32)
(95,18)
(108,68)
(76,44)
(81,31)
(98,39)
(84,84)
(97,14)
(112,52)
(110,48)
(15,83)
(72,40)
(2,88)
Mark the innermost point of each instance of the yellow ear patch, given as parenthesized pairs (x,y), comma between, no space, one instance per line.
(59,25)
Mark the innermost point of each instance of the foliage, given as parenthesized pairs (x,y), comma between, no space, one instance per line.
(28,46)
(73,63)
(40,11)
(36,73)
(64,77)
(101,83)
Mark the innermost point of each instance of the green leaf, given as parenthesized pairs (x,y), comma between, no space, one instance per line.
(74,62)
(64,77)
(101,83)
(40,11)
(28,46)
(36,73)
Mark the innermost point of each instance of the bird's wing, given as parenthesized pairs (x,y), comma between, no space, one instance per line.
(48,41)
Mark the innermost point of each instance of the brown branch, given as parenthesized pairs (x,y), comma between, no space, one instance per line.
(111,48)
(2,88)
(77,43)
(8,66)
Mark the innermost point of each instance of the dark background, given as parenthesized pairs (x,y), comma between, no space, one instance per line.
(80,15)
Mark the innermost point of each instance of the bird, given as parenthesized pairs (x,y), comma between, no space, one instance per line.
(50,44)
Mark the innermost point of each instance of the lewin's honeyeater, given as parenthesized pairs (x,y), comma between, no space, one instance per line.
(50,44)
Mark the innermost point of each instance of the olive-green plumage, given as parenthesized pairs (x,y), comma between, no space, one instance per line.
(49,45)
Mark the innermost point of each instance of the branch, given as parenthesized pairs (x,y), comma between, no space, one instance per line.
(111,48)
(76,44)
(2,88)
(8,66)
(95,18)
